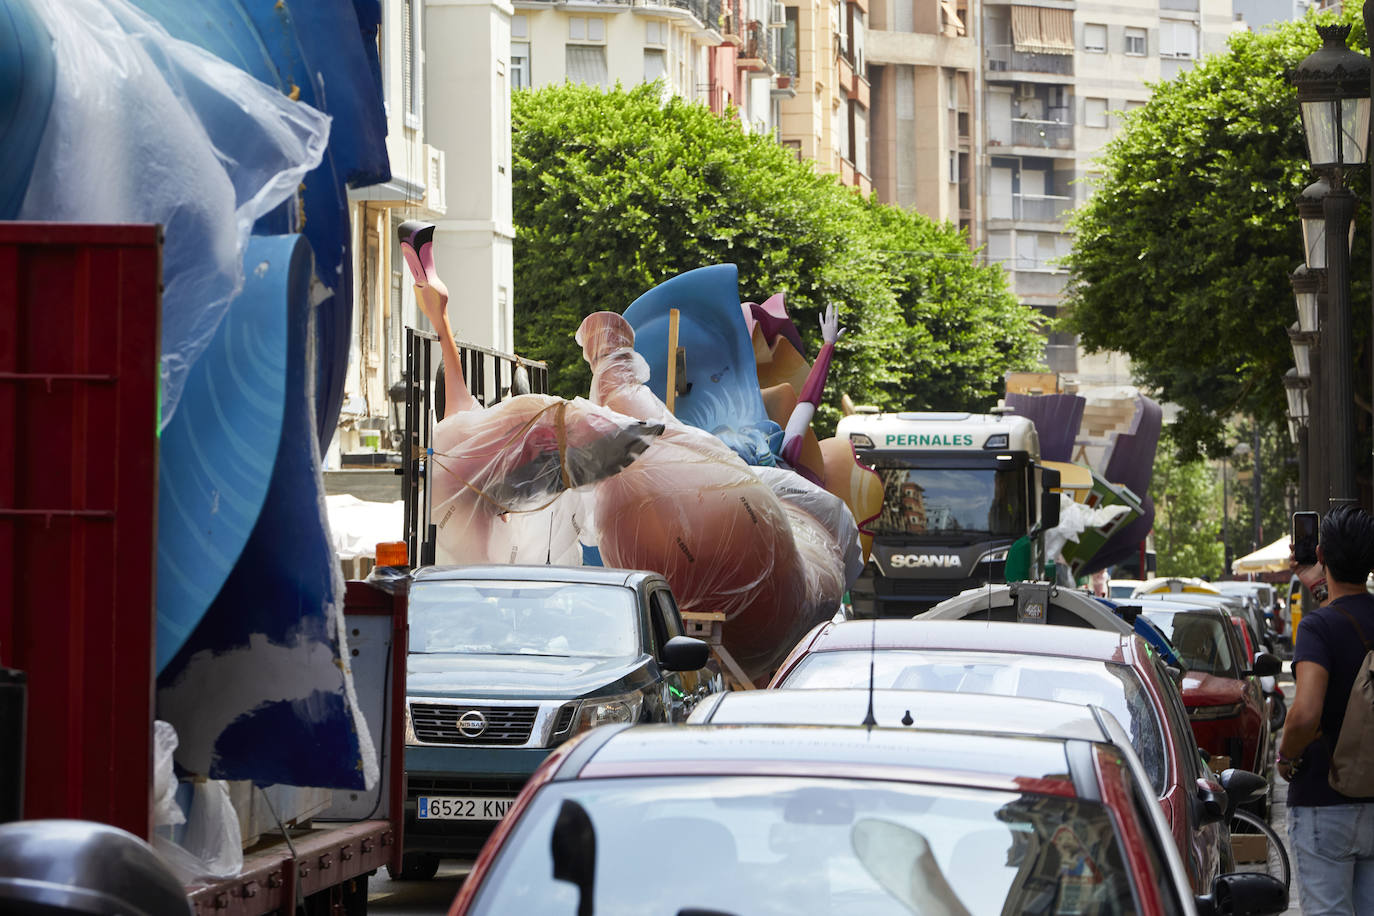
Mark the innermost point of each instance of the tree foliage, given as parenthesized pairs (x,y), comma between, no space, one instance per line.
(1181,256)
(615,192)
(1187,521)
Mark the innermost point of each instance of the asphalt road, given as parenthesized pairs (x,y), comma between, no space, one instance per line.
(415,898)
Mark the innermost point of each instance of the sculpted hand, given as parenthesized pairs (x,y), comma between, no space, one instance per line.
(830,324)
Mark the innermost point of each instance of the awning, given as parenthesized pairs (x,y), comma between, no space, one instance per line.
(1040,30)
(954,23)
(1269,558)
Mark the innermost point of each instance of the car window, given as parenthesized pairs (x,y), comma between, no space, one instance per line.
(1203,640)
(1185,746)
(783,845)
(1068,680)
(484,617)
(665,609)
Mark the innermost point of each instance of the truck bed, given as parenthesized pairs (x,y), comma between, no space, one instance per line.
(275,872)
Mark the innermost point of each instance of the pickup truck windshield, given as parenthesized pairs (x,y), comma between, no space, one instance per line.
(942,501)
(523,618)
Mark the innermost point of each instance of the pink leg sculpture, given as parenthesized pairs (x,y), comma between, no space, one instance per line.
(494,467)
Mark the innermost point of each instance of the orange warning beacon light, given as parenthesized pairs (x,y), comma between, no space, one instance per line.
(392,553)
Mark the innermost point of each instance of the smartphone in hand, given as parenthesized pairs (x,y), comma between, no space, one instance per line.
(1305,526)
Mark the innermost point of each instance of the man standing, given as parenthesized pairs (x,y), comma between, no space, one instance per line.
(1332,834)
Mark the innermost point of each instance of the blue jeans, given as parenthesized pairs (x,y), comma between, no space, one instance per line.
(1333,847)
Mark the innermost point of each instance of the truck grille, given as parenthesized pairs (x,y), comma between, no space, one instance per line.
(509,725)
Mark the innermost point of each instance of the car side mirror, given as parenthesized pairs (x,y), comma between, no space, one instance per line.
(684,653)
(1244,894)
(1242,787)
(1212,804)
(573,845)
(1265,665)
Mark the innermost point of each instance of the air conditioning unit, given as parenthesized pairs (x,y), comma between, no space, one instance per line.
(777,15)
(434,179)
(1025,90)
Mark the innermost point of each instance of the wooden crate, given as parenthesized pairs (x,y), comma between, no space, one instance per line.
(1249,848)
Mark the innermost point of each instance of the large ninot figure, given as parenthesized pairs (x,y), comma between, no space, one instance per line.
(762,545)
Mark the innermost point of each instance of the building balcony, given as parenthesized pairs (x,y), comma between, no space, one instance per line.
(1041,134)
(1031,208)
(1005,60)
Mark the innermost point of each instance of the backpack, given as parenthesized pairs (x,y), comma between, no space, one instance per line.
(1352,759)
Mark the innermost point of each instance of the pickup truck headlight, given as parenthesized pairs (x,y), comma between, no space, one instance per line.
(1215,712)
(596,711)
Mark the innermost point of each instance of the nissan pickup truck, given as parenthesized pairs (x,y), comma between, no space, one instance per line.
(508,662)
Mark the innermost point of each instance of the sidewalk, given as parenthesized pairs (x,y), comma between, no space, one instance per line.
(1278,805)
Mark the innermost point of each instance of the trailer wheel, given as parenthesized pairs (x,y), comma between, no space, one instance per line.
(415,866)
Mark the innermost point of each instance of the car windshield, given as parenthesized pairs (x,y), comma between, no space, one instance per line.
(579,619)
(749,845)
(951,501)
(1114,687)
(1199,638)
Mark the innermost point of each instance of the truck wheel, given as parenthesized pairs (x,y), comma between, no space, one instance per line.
(415,866)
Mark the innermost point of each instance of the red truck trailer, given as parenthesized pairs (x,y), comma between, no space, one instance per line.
(79,352)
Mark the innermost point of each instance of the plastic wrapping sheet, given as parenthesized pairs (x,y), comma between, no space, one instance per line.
(498,472)
(145,128)
(820,514)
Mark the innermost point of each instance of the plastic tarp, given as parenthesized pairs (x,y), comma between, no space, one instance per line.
(359,525)
(323,52)
(145,128)
(1273,557)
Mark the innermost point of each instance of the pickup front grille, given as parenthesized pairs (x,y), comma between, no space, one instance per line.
(499,725)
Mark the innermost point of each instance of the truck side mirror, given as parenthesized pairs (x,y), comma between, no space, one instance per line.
(1049,499)
(684,653)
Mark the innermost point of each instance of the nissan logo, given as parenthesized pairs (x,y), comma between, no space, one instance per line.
(471,724)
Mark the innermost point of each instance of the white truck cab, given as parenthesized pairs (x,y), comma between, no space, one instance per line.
(958,490)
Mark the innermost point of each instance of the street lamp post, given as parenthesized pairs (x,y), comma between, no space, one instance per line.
(1333,86)
(1309,294)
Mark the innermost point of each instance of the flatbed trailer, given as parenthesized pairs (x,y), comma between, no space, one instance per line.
(79,352)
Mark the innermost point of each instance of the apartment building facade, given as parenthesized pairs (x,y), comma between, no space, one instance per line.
(1057,78)
(723,53)
(923,66)
(826,95)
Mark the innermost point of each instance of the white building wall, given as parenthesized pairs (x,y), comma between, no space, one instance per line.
(468,111)
(636,42)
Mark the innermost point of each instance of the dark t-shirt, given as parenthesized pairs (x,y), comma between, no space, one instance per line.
(1326,636)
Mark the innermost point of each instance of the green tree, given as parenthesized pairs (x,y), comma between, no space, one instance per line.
(1182,254)
(1187,530)
(615,192)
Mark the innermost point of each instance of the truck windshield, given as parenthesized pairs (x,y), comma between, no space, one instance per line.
(951,501)
(581,620)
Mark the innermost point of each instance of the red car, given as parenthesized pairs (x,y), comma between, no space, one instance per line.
(1015,806)
(1221,687)
(1068,664)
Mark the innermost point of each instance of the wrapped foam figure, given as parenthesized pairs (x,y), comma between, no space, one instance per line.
(691,509)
